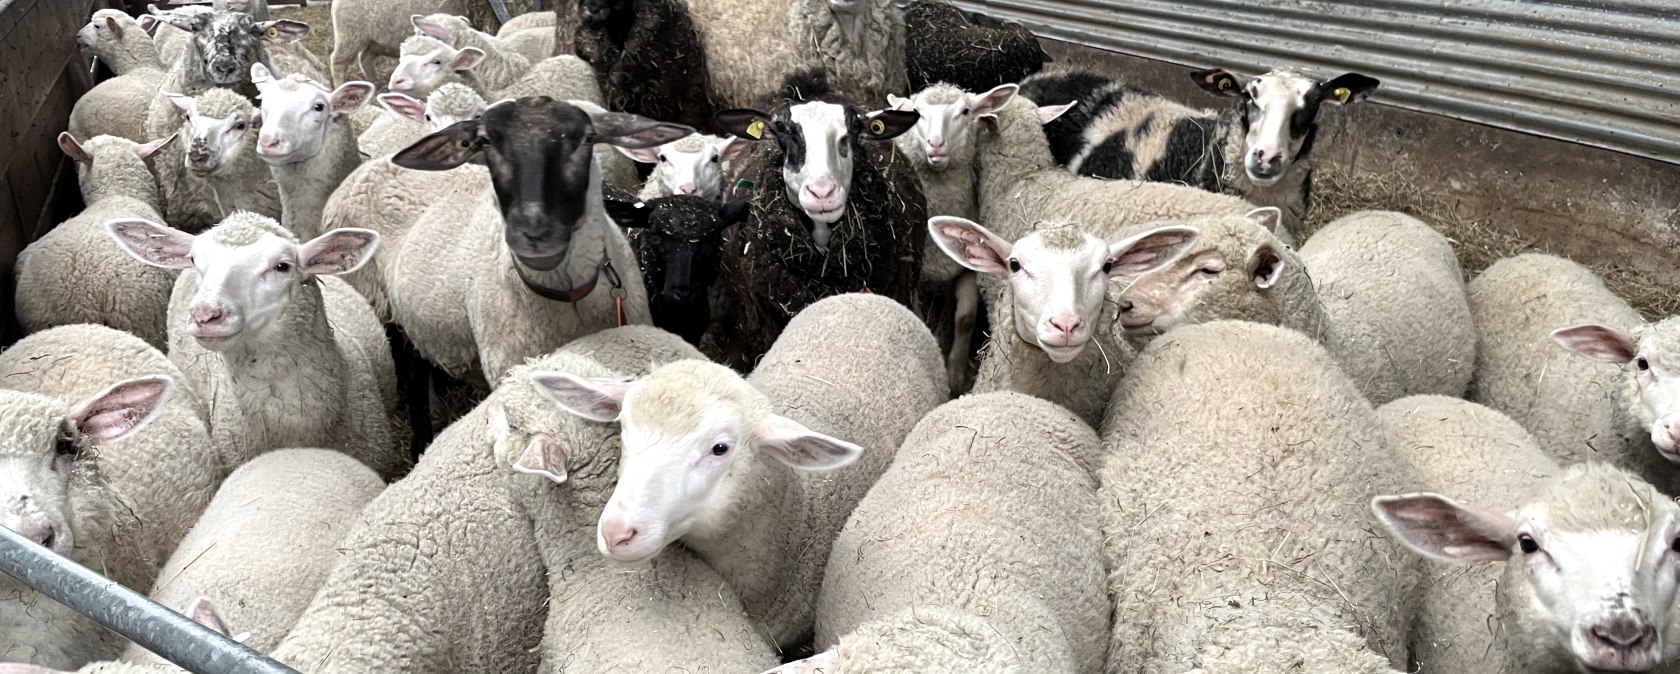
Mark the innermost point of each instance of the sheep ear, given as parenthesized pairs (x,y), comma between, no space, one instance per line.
(622,129)
(645,155)
(147,150)
(800,447)
(628,213)
(121,409)
(1049,113)
(1598,342)
(826,662)
(349,96)
(971,245)
(441,150)
(183,102)
(73,148)
(152,243)
(112,25)
(1445,530)
(283,31)
(542,456)
(889,124)
(729,147)
(733,212)
(260,74)
(466,59)
(428,27)
(896,102)
(1218,81)
(745,123)
(993,100)
(1269,217)
(204,613)
(1265,266)
(1151,250)
(1346,89)
(148,22)
(403,105)
(184,22)
(339,251)
(593,399)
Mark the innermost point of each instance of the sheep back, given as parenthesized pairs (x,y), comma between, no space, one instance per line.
(973,51)
(659,72)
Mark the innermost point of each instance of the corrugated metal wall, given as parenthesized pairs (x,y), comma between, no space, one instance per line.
(1599,72)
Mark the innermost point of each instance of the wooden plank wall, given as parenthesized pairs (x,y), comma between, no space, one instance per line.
(41,75)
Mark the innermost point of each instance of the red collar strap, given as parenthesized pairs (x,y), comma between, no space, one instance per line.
(581,291)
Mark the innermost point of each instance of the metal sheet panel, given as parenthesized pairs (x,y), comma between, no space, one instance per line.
(1599,72)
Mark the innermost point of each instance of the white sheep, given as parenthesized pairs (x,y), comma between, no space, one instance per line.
(763,502)
(1588,580)
(450,569)
(72,274)
(427,63)
(1239,465)
(200,611)
(266,542)
(117,106)
(1480,454)
(1046,296)
(458,32)
(860,43)
(214,170)
(989,508)
(922,639)
(1589,400)
(408,120)
(1384,295)
(286,355)
(746,59)
(235,42)
(693,164)
(307,142)
(366,28)
(1021,184)
(941,147)
(528,21)
(480,285)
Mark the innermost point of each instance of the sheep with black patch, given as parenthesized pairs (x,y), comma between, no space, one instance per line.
(1259,149)
(834,210)
(946,44)
(678,241)
(451,570)
(73,273)
(1384,295)
(1609,393)
(1239,465)
(941,147)
(648,58)
(990,508)
(758,475)
(117,106)
(1020,183)
(285,355)
(222,48)
(1046,296)
(214,170)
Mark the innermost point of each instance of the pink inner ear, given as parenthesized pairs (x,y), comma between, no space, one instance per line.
(1598,342)
(543,456)
(121,409)
(204,613)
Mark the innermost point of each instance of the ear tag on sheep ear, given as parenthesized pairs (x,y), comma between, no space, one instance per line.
(1342,94)
(461,144)
(743,185)
(273,32)
(1225,84)
(756,129)
(877,127)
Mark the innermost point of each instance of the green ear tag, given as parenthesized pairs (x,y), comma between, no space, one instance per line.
(1342,94)
(756,129)
(273,32)
(877,127)
(743,185)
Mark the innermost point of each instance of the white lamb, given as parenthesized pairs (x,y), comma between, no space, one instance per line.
(1239,467)
(513,48)
(117,106)
(1588,583)
(286,356)
(941,148)
(215,169)
(72,274)
(1046,298)
(407,120)
(1610,394)
(307,142)
(691,165)
(990,508)
(711,460)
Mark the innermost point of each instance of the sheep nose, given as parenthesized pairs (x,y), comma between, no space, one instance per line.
(821,189)
(618,535)
(686,188)
(936,142)
(1622,633)
(38,532)
(1126,306)
(679,294)
(268,142)
(206,314)
(1668,430)
(1066,323)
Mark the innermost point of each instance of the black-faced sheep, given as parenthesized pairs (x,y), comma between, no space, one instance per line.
(678,241)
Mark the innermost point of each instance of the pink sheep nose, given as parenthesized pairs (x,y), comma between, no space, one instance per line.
(936,142)
(204,314)
(686,188)
(268,142)
(1669,429)
(1065,324)
(617,534)
(821,188)
(399,84)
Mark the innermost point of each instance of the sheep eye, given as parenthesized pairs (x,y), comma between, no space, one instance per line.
(720,449)
(1527,544)
(428,117)
(1108,267)
(319,107)
(1014,265)
(65,447)
(283,267)
(714,159)
(1209,271)
(1642,364)
(239,127)
(437,62)
(965,112)
(662,159)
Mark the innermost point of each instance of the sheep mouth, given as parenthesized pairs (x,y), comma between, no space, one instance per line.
(1264,177)
(1062,353)
(215,341)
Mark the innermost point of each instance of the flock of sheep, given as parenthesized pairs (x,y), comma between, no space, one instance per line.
(715,428)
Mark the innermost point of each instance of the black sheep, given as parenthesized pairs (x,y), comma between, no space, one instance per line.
(678,241)
(648,59)
(973,51)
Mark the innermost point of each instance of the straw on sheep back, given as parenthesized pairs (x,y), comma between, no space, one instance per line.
(976,52)
(649,61)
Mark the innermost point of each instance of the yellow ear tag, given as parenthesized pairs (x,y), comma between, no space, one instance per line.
(877,127)
(273,32)
(756,129)
(1225,84)
(1342,94)
(462,144)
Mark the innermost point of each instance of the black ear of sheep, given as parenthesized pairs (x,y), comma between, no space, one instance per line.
(732,212)
(628,213)
(745,123)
